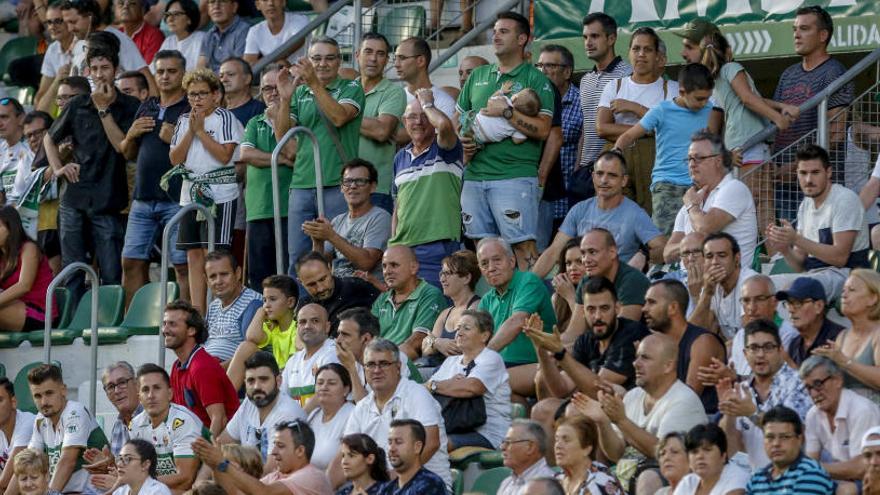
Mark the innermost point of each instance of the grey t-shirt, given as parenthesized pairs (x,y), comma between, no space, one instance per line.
(628,223)
(367,231)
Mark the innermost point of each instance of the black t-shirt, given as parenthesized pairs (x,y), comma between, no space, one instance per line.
(102,186)
(827,333)
(348,292)
(248,111)
(619,355)
(152,158)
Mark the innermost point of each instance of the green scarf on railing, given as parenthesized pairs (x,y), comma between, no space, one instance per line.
(200,190)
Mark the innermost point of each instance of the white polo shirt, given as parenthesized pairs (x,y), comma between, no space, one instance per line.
(855,415)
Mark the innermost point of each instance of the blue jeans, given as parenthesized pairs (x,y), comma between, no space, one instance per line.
(302,207)
(146,219)
(107,240)
(430,256)
(506,208)
(545,225)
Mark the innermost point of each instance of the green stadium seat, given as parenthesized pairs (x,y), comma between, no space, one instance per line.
(23,391)
(781,266)
(517,411)
(9,340)
(65,307)
(401,22)
(457,482)
(490,459)
(142,319)
(874,259)
(489,481)
(462,456)
(111,299)
(21,46)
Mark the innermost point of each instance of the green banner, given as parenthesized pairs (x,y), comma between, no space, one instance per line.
(756,29)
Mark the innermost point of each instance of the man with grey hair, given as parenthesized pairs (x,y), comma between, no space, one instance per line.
(717,202)
(393,397)
(838,420)
(515,297)
(523,450)
(543,486)
(120,386)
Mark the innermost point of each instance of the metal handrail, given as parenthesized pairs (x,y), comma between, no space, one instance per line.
(276,194)
(166,249)
(47,335)
(472,34)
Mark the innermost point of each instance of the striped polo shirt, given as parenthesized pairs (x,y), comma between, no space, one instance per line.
(805,476)
(592,85)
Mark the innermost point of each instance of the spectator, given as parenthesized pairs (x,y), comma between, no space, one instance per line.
(400,399)
(412,57)
(137,470)
(831,209)
(292,446)
(273,327)
(692,35)
(458,278)
(256,151)
(789,469)
(170,429)
(626,101)
(16,429)
(148,142)
(717,202)
(197,380)
(121,387)
(332,108)
(515,297)
(79,430)
(95,178)
(268,35)
(712,470)
(333,385)
(264,407)
(407,440)
(664,312)
(524,448)
(130,17)
(226,38)
(477,372)
(576,447)
(690,260)
(807,306)
(68,87)
(333,293)
(569,272)
(673,460)
(675,407)
(499,196)
(427,184)
(467,65)
(600,35)
(610,210)
(183,19)
(869,453)
(313,329)
(355,239)
(236,76)
(384,104)
(16,152)
(133,83)
(202,150)
(248,458)
(58,55)
(232,309)
(854,350)
(771,384)
(31,473)
(363,465)
(408,309)
(837,422)
(543,486)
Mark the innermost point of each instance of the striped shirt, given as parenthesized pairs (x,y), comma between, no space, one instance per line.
(227,326)
(592,85)
(804,476)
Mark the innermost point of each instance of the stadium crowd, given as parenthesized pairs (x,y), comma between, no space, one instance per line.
(656,358)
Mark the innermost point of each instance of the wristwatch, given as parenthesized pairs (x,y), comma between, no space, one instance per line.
(559,356)
(427,105)
(507,113)
(223,466)
(433,386)
(103,113)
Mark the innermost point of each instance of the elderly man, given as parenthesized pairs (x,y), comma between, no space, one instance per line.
(16,152)
(335,294)
(313,329)
(514,297)
(121,387)
(806,304)
(523,450)
(427,184)
(130,17)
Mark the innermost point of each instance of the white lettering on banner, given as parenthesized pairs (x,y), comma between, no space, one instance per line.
(780,6)
(855,35)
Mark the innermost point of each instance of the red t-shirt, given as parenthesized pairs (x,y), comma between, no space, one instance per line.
(148,39)
(200,382)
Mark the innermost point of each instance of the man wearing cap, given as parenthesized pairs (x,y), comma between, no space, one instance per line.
(837,421)
(871,458)
(692,35)
(805,302)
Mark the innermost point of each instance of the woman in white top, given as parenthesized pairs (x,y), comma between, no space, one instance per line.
(136,470)
(673,460)
(332,387)
(182,18)
(477,372)
(711,473)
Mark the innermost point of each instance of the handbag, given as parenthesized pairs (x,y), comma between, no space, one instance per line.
(462,415)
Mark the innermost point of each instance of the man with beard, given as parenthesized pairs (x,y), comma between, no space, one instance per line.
(334,294)
(406,440)
(264,407)
(313,329)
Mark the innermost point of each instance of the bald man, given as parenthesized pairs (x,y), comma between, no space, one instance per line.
(313,329)
(468,64)
(408,309)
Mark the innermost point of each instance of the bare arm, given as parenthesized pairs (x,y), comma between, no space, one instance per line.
(550,255)
(113,132)
(380,129)
(550,155)
(65,467)
(461,387)
(220,152)
(537,127)
(612,444)
(217,414)
(151,81)
(672,247)
(46,83)
(629,137)
(853,469)
(7,476)
(30,260)
(605,126)
(835,254)
(755,102)
(869,192)
(337,113)
(656,246)
(630,311)
(642,440)
(187,467)
(508,331)
(432,443)
(177,154)
(702,351)
(549,373)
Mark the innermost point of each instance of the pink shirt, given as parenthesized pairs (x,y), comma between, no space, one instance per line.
(307,480)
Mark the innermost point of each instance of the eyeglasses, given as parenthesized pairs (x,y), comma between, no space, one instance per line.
(698,159)
(415,117)
(508,442)
(377,365)
(447,273)
(125,460)
(317,59)
(795,304)
(198,95)
(36,133)
(768,347)
(171,15)
(111,387)
(352,183)
(772,437)
(696,253)
(53,22)
(754,300)
(403,58)
(269,89)
(61,97)
(541,66)
(817,385)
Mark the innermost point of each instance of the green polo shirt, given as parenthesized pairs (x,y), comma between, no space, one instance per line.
(260,135)
(304,111)
(417,313)
(385,98)
(527,293)
(505,159)
(631,286)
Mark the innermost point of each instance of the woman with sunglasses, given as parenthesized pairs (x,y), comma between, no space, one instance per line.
(363,465)
(332,388)
(136,467)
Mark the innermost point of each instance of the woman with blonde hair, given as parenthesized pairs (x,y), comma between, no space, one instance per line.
(673,459)
(247,458)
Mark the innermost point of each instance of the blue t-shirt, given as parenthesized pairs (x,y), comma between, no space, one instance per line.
(628,223)
(673,126)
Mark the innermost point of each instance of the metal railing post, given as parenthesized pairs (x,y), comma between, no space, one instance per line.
(47,335)
(166,248)
(470,35)
(822,124)
(356,35)
(276,194)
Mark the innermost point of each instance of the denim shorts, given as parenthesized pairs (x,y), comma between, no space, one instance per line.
(506,208)
(146,219)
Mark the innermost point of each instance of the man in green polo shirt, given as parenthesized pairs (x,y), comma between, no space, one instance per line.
(332,108)
(385,103)
(408,309)
(501,191)
(256,150)
(514,296)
